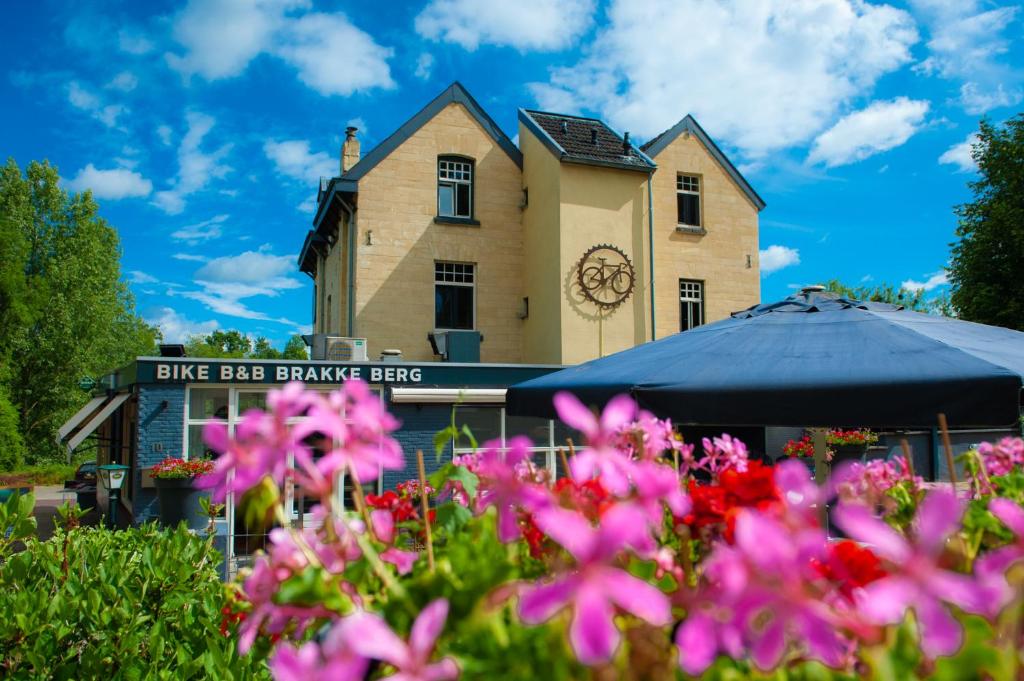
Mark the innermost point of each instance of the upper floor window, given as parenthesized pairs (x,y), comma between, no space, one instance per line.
(688,200)
(454,187)
(454,295)
(691,304)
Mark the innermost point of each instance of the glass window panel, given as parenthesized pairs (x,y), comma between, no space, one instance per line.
(196,448)
(462,200)
(208,403)
(483,422)
(563,431)
(688,207)
(453,307)
(534,428)
(247,401)
(445,200)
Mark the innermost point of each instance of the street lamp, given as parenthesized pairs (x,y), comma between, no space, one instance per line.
(112,476)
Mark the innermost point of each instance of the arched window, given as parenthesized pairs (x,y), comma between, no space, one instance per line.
(454,187)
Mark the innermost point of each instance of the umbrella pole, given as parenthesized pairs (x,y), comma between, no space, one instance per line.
(600,333)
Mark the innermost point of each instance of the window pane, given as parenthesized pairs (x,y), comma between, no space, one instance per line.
(562,432)
(462,200)
(453,307)
(208,403)
(445,200)
(196,449)
(483,422)
(534,428)
(247,401)
(688,206)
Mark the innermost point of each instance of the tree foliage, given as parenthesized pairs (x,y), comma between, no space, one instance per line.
(987,267)
(232,344)
(65,312)
(883,293)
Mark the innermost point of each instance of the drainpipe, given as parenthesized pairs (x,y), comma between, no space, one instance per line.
(350,313)
(650,245)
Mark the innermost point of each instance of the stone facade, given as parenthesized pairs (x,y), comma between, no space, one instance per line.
(161,432)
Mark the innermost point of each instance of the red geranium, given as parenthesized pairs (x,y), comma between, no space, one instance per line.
(715,505)
(850,566)
(171,468)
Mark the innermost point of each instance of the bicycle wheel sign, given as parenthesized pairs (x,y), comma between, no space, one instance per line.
(606,276)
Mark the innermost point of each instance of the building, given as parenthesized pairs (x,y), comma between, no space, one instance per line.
(541,253)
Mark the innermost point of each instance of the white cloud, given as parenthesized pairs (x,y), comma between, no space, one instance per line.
(524,25)
(225,282)
(775,258)
(140,277)
(175,327)
(195,167)
(761,76)
(114,184)
(968,43)
(133,41)
(307,207)
(84,99)
(126,81)
(163,133)
(292,158)
(334,57)
(190,257)
(424,66)
(879,127)
(202,231)
(960,154)
(934,281)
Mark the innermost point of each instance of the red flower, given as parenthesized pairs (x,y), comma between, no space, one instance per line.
(719,504)
(850,566)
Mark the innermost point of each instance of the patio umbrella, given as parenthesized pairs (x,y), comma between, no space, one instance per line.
(813,359)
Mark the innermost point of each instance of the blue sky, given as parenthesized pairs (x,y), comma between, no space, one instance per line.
(203,126)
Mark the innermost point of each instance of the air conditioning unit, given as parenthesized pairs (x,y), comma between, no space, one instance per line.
(338,348)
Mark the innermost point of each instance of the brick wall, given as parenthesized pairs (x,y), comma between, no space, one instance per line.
(161,434)
(419,425)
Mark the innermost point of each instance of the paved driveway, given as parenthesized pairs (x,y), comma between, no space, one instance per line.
(48,498)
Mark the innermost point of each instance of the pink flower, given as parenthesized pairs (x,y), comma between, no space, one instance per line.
(307,663)
(916,579)
(602,438)
(502,486)
(1002,457)
(371,637)
(657,486)
(991,568)
(722,453)
(595,586)
(648,437)
(384,529)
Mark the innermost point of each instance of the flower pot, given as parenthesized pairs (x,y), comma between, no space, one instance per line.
(179,501)
(842,453)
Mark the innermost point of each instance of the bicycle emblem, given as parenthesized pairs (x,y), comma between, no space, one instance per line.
(606,276)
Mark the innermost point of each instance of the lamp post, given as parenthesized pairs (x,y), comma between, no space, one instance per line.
(112,476)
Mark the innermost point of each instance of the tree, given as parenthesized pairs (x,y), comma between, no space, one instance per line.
(233,344)
(883,293)
(987,267)
(295,348)
(65,312)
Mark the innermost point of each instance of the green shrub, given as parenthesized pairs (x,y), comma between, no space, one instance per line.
(141,603)
(12,447)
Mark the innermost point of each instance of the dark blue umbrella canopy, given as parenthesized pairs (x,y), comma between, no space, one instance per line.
(813,359)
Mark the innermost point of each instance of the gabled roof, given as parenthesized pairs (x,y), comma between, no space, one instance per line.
(453,93)
(689,124)
(576,139)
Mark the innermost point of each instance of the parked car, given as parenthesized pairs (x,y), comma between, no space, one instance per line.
(84,484)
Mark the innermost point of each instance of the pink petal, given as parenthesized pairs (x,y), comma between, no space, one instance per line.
(938,514)
(697,643)
(441,671)
(794,482)
(427,627)
(614,473)
(582,464)
(592,632)
(540,602)
(215,435)
(859,523)
(1010,513)
(403,560)
(623,525)
(764,541)
(821,639)
(568,528)
(886,601)
(371,637)
(289,664)
(956,588)
(383,525)
(508,524)
(941,634)
(574,414)
(769,644)
(620,411)
(637,596)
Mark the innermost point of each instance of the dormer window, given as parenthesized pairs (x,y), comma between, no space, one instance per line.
(688,201)
(454,187)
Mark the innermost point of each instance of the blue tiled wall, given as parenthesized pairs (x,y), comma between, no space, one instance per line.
(419,425)
(161,433)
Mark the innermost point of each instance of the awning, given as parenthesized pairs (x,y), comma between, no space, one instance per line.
(90,407)
(448,395)
(97,418)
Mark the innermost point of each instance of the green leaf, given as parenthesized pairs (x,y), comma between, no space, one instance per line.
(451,517)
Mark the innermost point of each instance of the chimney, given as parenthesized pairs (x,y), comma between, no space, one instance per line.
(625,144)
(349,150)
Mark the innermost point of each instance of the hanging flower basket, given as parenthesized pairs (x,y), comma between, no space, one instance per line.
(179,500)
(850,445)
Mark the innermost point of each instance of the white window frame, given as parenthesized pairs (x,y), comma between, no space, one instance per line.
(471,284)
(699,298)
(453,171)
(690,184)
(549,449)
